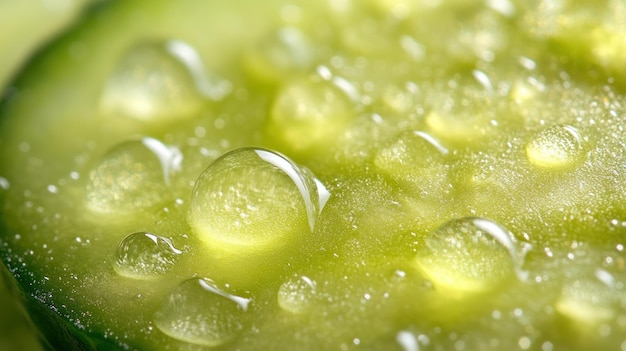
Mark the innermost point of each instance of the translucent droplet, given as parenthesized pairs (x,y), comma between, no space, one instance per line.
(470,255)
(199,312)
(587,301)
(297,295)
(408,151)
(254,198)
(310,114)
(132,176)
(555,148)
(156,81)
(285,52)
(415,159)
(143,255)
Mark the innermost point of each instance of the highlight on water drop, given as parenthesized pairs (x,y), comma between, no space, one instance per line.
(252,200)
(132,176)
(470,255)
(198,311)
(556,148)
(143,255)
(160,81)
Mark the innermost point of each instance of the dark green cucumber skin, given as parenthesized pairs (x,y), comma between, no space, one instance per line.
(52,331)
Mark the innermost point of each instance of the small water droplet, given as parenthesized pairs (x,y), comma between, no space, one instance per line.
(252,198)
(286,52)
(144,255)
(155,81)
(308,114)
(588,300)
(470,255)
(297,294)
(555,148)
(415,159)
(132,175)
(199,312)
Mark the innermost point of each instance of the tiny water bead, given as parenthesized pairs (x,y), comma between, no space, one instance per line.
(310,114)
(144,255)
(132,176)
(470,255)
(156,81)
(297,294)
(254,199)
(558,147)
(199,312)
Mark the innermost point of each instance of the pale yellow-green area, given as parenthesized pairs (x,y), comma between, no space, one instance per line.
(27,24)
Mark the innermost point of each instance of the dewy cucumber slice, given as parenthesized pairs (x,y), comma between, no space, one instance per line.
(375,175)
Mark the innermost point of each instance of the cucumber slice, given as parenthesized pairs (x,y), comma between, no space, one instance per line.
(320,175)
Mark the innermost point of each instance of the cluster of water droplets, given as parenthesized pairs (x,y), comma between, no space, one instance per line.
(255,200)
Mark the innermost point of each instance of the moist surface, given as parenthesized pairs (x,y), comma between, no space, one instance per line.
(374,175)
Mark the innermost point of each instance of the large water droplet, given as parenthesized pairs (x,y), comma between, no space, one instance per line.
(297,294)
(158,81)
(199,312)
(144,255)
(310,114)
(132,176)
(470,255)
(555,148)
(254,198)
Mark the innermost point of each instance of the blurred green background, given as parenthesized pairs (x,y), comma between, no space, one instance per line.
(26,26)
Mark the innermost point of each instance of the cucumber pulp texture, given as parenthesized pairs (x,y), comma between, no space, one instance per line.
(342,175)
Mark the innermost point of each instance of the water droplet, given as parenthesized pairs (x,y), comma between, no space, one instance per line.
(410,149)
(287,51)
(143,255)
(310,114)
(132,175)
(297,294)
(587,301)
(470,255)
(415,159)
(156,81)
(252,198)
(4,183)
(555,148)
(199,312)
